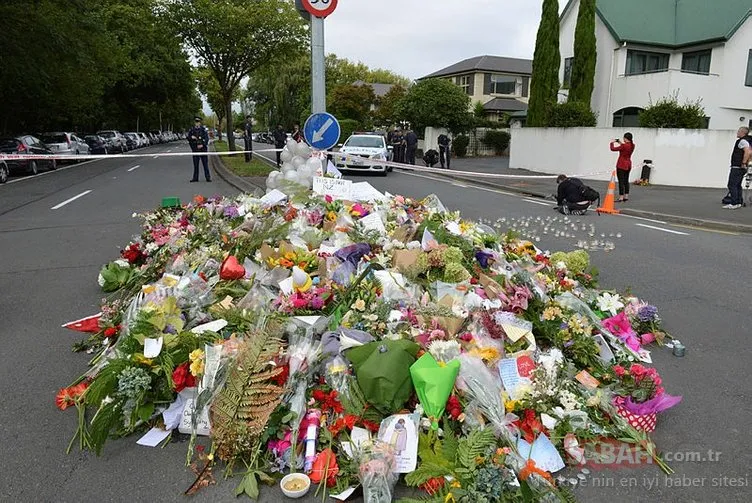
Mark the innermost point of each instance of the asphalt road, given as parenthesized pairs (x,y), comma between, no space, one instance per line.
(50,260)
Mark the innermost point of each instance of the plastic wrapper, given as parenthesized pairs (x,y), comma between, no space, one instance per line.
(376,469)
(433,203)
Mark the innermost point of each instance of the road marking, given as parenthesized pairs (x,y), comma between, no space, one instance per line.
(58,170)
(451,182)
(537,202)
(134,167)
(155,157)
(645,219)
(460,185)
(82,194)
(662,229)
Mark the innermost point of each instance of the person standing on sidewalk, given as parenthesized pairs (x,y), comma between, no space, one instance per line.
(198,139)
(297,134)
(280,139)
(397,147)
(411,145)
(740,159)
(625,147)
(248,137)
(444,152)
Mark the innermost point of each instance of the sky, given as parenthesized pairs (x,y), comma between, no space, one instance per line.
(417,37)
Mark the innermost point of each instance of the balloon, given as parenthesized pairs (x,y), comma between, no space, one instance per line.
(274,174)
(287,167)
(286,156)
(291,176)
(271,182)
(292,145)
(303,150)
(313,164)
(298,161)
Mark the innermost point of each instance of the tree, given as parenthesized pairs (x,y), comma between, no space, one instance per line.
(233,38)
(572,114)
(585,54)
(341,71)
(498,140)
(668,113)
(544,86)
(352,102)
(209,87)
(385,113)
(436,103)
(478,111)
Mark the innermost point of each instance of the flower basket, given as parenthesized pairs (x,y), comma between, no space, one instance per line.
(642,422)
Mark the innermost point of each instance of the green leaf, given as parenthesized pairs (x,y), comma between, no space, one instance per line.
(145,411)
(251,486)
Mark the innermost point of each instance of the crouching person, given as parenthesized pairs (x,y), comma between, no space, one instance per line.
(571,197)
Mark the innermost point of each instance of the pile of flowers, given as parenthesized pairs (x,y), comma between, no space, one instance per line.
(286,336)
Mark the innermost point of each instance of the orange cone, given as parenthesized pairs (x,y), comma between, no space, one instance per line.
(608,203)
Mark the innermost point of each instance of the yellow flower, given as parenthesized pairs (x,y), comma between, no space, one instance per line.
(197,362)
(360,305)
(510,405)
(488,354)
(196,354)
(331,216)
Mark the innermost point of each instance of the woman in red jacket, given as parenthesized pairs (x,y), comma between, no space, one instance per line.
(625,147)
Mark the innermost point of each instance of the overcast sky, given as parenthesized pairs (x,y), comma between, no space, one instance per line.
(417,37)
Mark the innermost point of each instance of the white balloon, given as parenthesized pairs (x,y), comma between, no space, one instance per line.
(287,167)
(291,176)
(274,174)
(292,145)
(298,161)
(313,164)
(286,156)
(303,150)
(271,182)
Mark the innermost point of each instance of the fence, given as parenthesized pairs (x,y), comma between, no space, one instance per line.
(476,147)
(688,158)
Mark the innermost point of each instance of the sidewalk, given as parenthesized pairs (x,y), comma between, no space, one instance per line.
(681,205)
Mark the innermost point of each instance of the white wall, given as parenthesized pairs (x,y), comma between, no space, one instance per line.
(690,158)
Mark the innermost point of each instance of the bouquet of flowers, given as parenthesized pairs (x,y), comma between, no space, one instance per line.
(641,396)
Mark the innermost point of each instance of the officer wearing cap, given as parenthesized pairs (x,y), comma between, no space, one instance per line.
(198,139)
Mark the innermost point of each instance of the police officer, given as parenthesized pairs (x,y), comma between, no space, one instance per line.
(411,145)
(280,139)
(198,139)
(248,137)
(397,152)
(444,152)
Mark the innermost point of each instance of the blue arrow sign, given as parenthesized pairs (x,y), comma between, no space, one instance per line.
(321,131)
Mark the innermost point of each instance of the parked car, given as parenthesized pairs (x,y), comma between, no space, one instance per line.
(65,144)
(4,172)
(97,144)
(145,141)
(116,142)
(365,152)
(25,145)
(157,136)
(133,140)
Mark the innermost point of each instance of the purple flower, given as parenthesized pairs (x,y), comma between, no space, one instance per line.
(647,314)
(169,329)
(317,302)
(231,211)
(483,257)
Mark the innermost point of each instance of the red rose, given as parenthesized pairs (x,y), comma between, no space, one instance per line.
(281,378)
(111,331)
(432,486)
(182,377)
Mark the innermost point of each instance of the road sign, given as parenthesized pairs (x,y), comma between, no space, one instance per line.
(320,8)
(321,131)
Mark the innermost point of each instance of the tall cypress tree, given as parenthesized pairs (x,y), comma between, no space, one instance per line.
(585,54)
(544,86)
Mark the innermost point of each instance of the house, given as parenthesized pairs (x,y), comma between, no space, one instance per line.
(502,85)
(650,49)
(379,90)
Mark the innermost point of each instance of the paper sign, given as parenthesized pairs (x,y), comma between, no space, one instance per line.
(605,351)
(542,452)
(428,242)
(587,380)
(274,197)
(401,432)
(364,191)
(153,437)
(338,188)
(344,494)
(331,169)
(286,286)
(174,413)
(358,436)
(212,326)
(513,375)
(203,427)
(373,222)
(152,347)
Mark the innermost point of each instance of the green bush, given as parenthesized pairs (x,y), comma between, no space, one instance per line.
(498,140)
(459,145)
(572,114)
(347,128)
(668,113)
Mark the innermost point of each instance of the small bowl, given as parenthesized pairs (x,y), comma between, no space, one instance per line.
(302,477)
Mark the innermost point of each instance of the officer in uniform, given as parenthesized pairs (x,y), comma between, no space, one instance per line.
(198,139)
(397,151)
(444,152)
(248,137)
(280,139)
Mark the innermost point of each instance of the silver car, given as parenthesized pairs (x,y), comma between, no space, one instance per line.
(115,140)
(67,144)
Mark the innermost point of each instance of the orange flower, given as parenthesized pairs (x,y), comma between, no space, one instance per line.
(199,199)
(325,466)
(68,396)
(286,263)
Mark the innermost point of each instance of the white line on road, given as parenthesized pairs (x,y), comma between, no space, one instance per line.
(662,229)
(82,194)
(58,170)
(134,167)
(538,202)
(645,219)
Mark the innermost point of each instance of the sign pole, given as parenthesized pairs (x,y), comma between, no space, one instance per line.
(318,70)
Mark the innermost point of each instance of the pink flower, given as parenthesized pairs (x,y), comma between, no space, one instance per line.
(279,447)
(647,338)
(619,325)
(637,370)
(619,370)
(298,302)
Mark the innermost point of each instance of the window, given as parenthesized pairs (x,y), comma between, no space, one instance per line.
(465,84)
(501,84)
(748,82)
(567,72)
(696,62)
(627,117)
(646,62)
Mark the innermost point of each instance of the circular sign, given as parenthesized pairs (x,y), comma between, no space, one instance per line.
(320,8)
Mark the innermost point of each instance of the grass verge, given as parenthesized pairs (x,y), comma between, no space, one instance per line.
(237,164)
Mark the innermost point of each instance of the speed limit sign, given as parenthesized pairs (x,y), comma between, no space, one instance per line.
(320,8)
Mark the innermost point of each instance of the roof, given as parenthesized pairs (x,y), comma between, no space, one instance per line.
(378,89)
(505,105)
(672,23)
(486,64)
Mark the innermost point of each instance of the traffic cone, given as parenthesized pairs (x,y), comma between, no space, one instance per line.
(608,203)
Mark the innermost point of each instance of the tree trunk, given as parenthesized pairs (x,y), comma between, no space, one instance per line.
(220,118)
(230,130)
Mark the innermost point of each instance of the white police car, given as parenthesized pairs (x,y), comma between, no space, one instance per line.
(364,152)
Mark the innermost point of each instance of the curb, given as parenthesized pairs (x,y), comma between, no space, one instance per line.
(238,182)
(675,219)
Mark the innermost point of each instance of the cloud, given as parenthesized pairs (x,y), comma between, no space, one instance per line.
(417,37)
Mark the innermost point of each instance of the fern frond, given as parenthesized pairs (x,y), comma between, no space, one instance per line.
(476,444)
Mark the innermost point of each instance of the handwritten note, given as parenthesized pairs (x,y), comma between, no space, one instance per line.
(203,427)
(334,187)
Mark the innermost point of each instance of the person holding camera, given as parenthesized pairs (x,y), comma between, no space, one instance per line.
(626,148)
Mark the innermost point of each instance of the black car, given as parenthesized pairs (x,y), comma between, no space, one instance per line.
(25,145)
(97,144)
